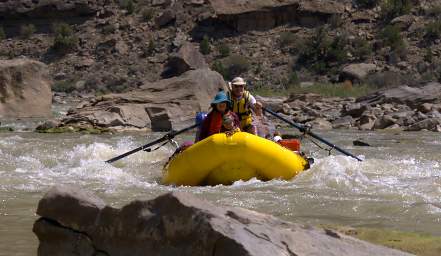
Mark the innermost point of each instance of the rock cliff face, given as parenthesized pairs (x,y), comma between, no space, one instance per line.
(48,8)
(75,222)
(25,89)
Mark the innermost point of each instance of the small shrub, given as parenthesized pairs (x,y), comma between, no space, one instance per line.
(109,29)
(204,46)
(287,38)
(391,37)
(151,47)
(27,30)
(232,66)
(394,8)
(224,50)
(321,52)
(2,34)
(433,30)
(129,5)
(293,79)
(362,49)
(220,68)
(65,38)
(147,14)
(237,65)
(64,86)
(428,56)
(367,3)
(258,69)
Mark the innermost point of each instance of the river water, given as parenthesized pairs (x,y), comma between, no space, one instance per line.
(398,186)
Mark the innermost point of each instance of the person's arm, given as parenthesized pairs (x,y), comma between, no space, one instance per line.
(253,103)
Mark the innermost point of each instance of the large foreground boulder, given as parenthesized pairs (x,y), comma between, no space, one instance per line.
(25,89)
(160,106)
(177,224)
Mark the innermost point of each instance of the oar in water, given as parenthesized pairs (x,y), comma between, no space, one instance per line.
(302,128)
(166,137)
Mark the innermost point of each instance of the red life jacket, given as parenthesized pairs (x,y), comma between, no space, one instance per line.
(212,124)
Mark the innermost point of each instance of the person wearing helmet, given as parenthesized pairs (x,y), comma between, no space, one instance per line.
(212,124)
(242,103)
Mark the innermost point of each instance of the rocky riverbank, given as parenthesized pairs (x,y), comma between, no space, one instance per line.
(76,222)
(402,109)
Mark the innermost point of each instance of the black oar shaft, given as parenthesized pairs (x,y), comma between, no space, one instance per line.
(168,136)
(303,129)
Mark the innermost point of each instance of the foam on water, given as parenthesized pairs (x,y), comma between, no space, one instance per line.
(388,188)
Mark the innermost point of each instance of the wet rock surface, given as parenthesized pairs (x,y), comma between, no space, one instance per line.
(75,222)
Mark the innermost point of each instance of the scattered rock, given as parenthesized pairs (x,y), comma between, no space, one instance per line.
(75,222)
(320,124)
(360,143)
(343,122)
(431,124)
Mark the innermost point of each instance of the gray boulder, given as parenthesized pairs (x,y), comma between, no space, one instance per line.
(411,96)
(431,124)
(160,106)
(343,122)
(357,72)
(187,58)
(179,224)
(25,89)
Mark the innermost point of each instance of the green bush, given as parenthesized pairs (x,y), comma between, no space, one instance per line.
(366,3)
(129,5)
(433,30)
(362,49)
(220,68)
(147,14)
(2,34)
(293,79)
(232,66)
(224,50)
(109,29)
(428,56)
(394,8)
(27,30)
(237,65)
(287,38)
(65,38)
(64,86)
(392,37)
(150,48)
(321,52)
(204,46)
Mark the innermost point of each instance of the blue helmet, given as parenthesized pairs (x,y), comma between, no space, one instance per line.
(221,97)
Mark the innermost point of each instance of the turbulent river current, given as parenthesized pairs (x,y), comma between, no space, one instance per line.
(397,186)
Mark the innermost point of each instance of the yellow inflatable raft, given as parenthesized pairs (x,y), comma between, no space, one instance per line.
(222,159)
